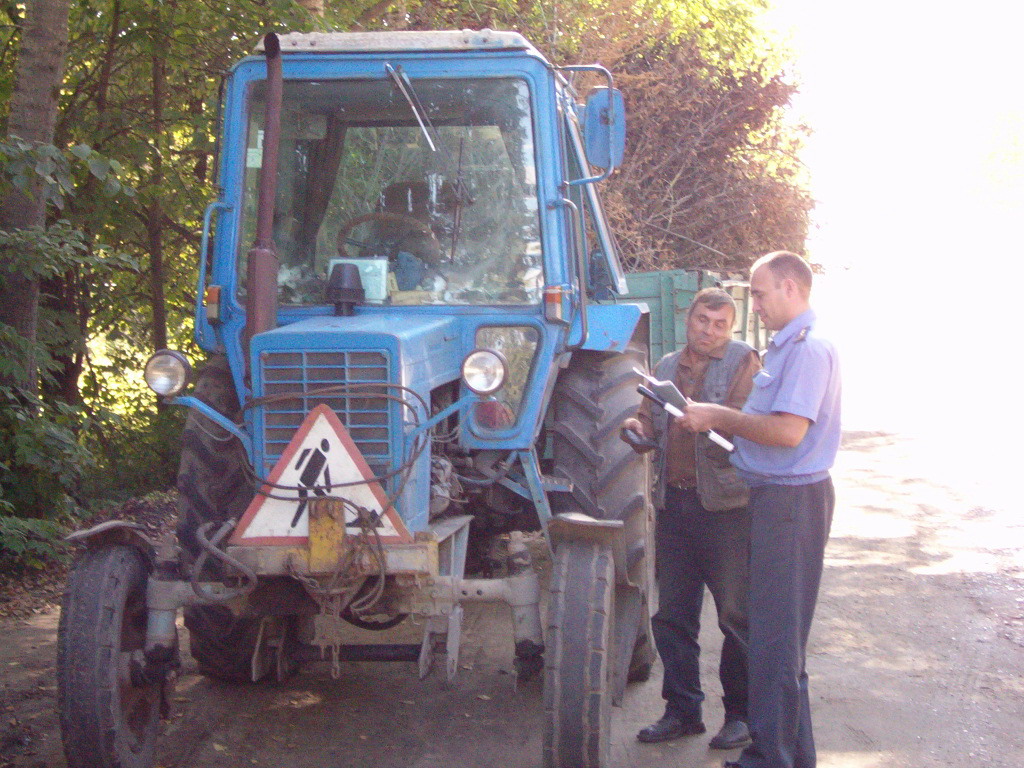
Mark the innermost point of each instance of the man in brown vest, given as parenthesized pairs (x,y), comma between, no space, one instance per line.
(703,527)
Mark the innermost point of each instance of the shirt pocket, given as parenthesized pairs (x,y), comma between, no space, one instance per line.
(762,395)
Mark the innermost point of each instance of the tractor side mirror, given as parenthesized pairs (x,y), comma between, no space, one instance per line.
(604,127)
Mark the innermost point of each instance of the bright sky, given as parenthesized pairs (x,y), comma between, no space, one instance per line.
(918,165)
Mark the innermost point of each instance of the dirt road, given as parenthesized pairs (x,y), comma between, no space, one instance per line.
(917,658)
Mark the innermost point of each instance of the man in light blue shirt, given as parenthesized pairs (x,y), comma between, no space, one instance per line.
(787,436)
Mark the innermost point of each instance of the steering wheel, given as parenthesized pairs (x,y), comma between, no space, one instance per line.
(403,227)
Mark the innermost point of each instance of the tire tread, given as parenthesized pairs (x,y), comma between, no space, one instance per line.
(577,661)
(100,585)
(213,485)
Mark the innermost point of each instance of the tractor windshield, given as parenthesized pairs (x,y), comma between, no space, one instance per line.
(427,185)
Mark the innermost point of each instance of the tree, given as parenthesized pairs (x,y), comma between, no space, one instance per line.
(712,179)
(33,112)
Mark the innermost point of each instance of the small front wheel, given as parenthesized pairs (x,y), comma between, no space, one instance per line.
(578,659)
(108,716)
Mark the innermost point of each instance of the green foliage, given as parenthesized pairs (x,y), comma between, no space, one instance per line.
(41,459)
(725,31)
(23,164)
(136,453)
(43,252)
(30,543)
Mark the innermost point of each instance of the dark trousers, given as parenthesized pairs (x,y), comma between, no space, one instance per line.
(789,529)
(696,547)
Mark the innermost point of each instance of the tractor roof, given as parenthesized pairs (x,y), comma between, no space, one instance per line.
(359,42)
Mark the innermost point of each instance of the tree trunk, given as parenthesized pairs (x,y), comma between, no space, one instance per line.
(66,297)
(37,79)
(155,213)
(70,294)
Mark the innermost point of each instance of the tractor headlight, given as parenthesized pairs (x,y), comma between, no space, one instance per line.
(484,371)
(168,372)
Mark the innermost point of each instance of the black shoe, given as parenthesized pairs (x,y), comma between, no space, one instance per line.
(731,764)
(734,734)
(669,728)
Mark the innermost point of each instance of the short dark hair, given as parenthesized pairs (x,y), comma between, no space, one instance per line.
(786,264)
(713,298)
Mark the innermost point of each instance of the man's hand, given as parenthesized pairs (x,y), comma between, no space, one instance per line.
(632,433)
(634,424)
(701,417)
(785,430)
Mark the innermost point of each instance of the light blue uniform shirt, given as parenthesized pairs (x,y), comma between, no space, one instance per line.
(800,376)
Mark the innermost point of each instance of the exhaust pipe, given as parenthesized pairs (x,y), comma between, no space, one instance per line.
(262,264)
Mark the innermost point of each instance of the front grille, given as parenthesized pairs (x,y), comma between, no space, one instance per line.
(365,414)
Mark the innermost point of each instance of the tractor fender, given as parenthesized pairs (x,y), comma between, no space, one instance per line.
(611,326)
(115,532)
(576,526)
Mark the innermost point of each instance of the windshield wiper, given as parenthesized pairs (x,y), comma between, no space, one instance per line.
(405,88)
(402,82)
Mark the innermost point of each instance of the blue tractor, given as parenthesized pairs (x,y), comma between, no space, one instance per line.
(415,361)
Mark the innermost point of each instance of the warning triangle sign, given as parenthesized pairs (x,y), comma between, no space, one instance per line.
(319,461)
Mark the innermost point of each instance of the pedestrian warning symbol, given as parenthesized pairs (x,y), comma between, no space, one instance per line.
(319,461)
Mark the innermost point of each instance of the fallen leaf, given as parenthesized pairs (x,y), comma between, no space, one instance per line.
(220,748)
(483,697)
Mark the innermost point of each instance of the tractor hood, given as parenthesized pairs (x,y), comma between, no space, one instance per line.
(417,351)
(362,367)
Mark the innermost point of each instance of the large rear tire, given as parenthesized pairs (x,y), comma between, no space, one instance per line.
(213,485)
(107,720)
(578,657)
(592,398)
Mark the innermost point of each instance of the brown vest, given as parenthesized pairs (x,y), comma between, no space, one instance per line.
(718,485)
